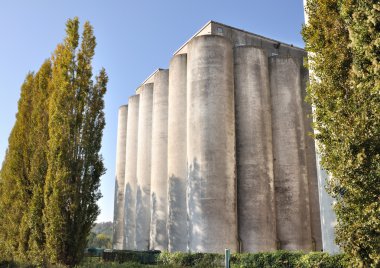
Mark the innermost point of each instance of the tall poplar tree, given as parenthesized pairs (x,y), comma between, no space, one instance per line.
(31,240)
(50,177)
(76,122)
(343,37)
(38,138)
(23,173)
(15,185)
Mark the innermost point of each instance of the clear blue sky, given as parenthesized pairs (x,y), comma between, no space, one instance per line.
(134,38)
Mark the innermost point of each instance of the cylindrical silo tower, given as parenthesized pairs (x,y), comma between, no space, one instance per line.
(177,164)
(256,206)
(211,145)
(290,171)
(118,219)
(144,167)
(159,177)
(312,174)
(131,172)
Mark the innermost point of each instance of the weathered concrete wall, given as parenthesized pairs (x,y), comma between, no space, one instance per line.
(130,187)
(211,145)
(118,215)
(328,216)
(290,171)
(256,207)
(240,38)
(177,155)
(159,177)
(315,219)
(144,167)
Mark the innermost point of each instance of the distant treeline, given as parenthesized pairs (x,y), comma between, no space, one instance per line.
(101,235)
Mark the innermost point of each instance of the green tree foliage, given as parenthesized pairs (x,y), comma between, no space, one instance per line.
(50,178)
(100,235)
(39,138)
(99,241)
(15,186)
(23,173)
(74,163)
(344,38)
(103,228)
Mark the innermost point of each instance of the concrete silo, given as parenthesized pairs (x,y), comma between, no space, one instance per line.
(290,170)
(159,172)
(211,145)
(256,207)
(312,172)
(144,146)
(118,214)
(177,155)
(131,172)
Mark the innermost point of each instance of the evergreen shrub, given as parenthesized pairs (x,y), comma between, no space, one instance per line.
(120,256)
(277,259)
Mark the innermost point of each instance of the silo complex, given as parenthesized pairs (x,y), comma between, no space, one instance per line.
(217,152)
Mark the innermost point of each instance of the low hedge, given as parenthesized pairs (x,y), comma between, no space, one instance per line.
(276,259)
(191,259)
(283,259)
(266,259)
(143,257)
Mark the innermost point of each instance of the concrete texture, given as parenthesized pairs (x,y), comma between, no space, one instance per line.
(159,172)
(328,217)
(118,215)
(256,207)
(177,154)
(144,167)
(130,187)
(211,145)
(290,171)
(315,219)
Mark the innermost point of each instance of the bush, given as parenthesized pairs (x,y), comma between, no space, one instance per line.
(322,260)
(277,259)
(143,257)
(191,259)
(291,259)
